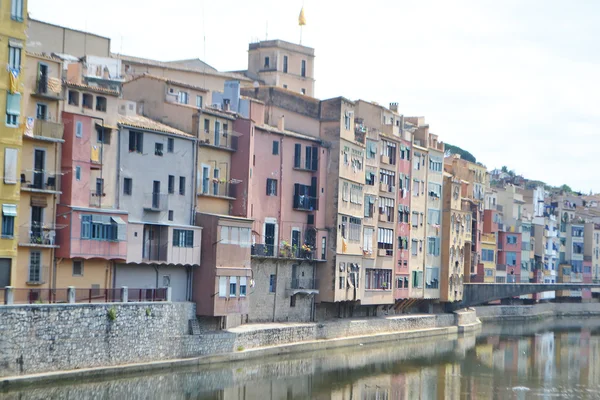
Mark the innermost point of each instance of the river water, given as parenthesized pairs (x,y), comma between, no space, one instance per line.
(552,359)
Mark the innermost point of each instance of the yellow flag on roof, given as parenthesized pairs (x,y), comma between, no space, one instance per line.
(301,18)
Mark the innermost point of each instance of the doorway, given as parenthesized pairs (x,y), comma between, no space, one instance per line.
(5,272)
(39,165)
(270,239)
(37,222)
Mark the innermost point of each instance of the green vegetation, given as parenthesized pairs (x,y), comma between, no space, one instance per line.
(112,314)
(464,154)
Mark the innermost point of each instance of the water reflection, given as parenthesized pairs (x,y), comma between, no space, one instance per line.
(550,359)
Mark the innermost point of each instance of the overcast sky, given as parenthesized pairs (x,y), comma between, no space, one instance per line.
(516,83)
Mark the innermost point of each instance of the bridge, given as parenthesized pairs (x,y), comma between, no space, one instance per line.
(481,293)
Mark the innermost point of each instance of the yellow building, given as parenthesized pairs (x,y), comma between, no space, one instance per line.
(488,257)
(40,173)
(13,23)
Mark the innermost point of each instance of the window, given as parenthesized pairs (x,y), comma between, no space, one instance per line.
(511,239)
(378,279)
(275,147)
(387,179)
(182,98)
(86,226)
(402,242)
(433,246)
(323,248)
(100,103)
(78,129)
(414,247)
(198,101)
(297,155)
(385,240)
(16,10)
(171,216)
(371,149)
(285,86)
(206,125)
(386,209)
(127,186)
(303,91)
(370,177)
(183,238)
(285,64)
(217,141)
(432,277)
(267,62)
(369,206)
(311,160)
(511,258)
(435,164)
(41,111)
(232,286)
(414,219)
(9,212)
(158,149)
(222,286)
(417,161)
(272,283)
(171,184)
(78,173)
(103,227)
(101,135)
(417,279)
(356,196)
(136,141)
(35,266)
(347,122)
(170,145)
(487,255)
(73,98)
(182,185)
(77,267)
(433,217)
(303,68)
(243,281)
(13,109)
(88,101)
(388,149)
(368,240)
(342,282)
(14,58)
(354,229)
(435,190)
(271,187)
(99,187)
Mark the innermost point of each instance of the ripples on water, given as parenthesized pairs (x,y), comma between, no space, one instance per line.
(547,360)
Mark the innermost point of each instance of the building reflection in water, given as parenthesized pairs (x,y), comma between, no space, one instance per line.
(512,361)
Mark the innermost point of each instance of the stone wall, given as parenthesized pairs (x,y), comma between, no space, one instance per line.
(267,306)
(537,311)
(36,338)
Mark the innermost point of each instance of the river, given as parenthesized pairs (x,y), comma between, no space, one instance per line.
(551,359)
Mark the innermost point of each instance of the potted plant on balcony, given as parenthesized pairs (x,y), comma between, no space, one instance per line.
(285,250)
(306,251)
(384,286)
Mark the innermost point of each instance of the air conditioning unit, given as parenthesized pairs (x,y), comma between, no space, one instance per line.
(172,91)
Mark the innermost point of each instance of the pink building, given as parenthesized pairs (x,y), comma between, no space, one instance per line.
(95,236)
(509,255)
(403,229)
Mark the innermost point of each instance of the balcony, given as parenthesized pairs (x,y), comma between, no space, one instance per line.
(384,159)
(303,285)
(155,251)
(43,235)
(360,132)
(219,140)
(305,203)
(386,188)
(156,202)
(40,181)
(96,199)
(222,190)
(46,130)
(290,252)
(301,164)
(48,88)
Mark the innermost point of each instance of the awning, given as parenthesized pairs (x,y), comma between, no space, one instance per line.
(106,126)
(10,210)
(118,220)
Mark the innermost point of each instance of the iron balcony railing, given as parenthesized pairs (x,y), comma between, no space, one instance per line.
(37,235)
(40,179)
(304,283)
(305,203)
(217,189)
(283,251)
(96,198)
(223,140)
(155,251)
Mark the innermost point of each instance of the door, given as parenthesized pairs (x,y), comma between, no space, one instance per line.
(37,218)
(39,163)
(41,111)
(216,181)
(296,242)
(270,239)
(205,179)
(217,134)
(4,272)
(43,78)
(156,194)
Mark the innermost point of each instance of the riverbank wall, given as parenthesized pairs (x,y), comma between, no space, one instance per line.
(537,311)
(50,338)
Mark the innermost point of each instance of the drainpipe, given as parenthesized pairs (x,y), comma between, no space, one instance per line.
(156,269)
(117,191)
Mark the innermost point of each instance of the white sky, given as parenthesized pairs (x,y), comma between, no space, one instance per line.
(514,82)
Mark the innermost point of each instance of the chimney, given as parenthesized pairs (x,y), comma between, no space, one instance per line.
(394,107)
(226,105)
(281,123)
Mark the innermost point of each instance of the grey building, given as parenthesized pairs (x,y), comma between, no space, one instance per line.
(155,178)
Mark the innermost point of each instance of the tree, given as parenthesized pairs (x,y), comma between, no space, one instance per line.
(464,154)
(504,169)
(566,188)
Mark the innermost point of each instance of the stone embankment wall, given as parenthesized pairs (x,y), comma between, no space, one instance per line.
(42,338)
(537,311)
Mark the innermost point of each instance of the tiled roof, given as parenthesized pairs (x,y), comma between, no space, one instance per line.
(169,81)
(176,67)
(141,122)
(92,88)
